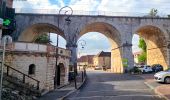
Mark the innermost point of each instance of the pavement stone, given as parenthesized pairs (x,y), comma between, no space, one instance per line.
(58,94)
(159,88)
(102,85)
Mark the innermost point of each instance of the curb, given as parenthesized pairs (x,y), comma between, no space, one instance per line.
(73,91)
(156,91)
(159,93)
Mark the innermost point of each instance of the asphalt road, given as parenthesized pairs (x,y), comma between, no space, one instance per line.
(102,85)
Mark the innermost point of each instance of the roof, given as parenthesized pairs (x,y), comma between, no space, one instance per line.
(104,54)
(86,58)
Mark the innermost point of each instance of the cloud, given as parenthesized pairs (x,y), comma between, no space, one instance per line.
(109,7)
(94,36)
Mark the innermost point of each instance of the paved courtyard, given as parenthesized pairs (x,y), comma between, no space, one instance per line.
(102,85)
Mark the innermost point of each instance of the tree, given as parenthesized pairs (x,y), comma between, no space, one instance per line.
(153,12)
(168,16)
(142,44)
(44,39)
(142,58)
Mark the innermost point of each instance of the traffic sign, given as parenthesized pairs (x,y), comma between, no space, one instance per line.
(6,22)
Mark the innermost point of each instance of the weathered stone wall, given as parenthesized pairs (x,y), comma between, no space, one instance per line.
(155,56)
(119,30)
(21,62)
(44,71)
(116,61)
(21,55)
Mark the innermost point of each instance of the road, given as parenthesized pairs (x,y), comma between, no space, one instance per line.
(102,85)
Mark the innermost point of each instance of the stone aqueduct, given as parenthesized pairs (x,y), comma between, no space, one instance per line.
(119,31)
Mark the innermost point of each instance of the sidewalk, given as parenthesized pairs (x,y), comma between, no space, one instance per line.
(161,89)
(59,94)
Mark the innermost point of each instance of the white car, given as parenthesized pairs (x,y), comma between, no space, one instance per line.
(163,76)
(97,68)
(145,69)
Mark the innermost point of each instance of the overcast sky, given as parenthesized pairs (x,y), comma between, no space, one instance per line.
(123,7)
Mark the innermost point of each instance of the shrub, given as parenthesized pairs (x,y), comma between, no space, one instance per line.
(135,70)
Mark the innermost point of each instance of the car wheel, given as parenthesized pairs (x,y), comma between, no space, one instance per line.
(167,80)
(144,71)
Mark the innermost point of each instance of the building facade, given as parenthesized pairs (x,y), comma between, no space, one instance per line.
(39,62)
(102,59)
(86,60)
(136,55)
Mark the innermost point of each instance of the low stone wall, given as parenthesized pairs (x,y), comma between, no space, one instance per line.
(44,62)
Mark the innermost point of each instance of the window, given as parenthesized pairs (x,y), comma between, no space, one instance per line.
(31,69)
(61,51)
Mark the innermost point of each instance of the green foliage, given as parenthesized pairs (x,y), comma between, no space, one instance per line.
(142,44)
(44,39)
(153,12)
(142,58)
(135,70)
(168,16)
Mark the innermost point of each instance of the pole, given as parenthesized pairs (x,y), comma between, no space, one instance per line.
(2,68)
(1,24)
(3,8)
(56,68)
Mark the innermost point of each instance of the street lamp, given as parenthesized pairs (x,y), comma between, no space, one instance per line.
(82,43)
(68,21)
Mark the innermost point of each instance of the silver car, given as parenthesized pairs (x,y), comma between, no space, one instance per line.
(163,76)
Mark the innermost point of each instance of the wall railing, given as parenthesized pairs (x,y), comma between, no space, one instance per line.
(79,12)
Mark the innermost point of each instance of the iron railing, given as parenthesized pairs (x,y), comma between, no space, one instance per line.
(79,12)
(8,68)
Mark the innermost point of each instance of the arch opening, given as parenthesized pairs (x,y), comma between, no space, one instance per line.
(114,38)
(156,43)
(61,74)
(31,33)
(31,69)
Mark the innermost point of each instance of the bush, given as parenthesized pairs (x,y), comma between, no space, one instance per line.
(135,70)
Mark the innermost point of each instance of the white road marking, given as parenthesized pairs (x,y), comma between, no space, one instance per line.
(114,96)
(122,90)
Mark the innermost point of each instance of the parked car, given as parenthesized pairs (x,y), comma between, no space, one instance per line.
(157,68)
(135,70)
(163,76)
(97,68)
(145,69)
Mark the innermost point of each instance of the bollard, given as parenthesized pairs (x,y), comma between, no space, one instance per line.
(75,81)
(82,75)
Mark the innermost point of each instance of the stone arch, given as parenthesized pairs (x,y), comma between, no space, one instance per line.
(33,31)
(156,41)
(114,38)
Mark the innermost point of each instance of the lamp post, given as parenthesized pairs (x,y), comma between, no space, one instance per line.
(82,44)
(1,24)
(5,40)
(57,77)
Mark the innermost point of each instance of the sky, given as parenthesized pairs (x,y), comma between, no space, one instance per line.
(118,7)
